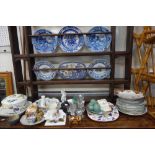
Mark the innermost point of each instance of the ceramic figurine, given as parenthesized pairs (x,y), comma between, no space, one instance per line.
(94,106)
(43,101)
(80,102)
(65,107)
(63,96)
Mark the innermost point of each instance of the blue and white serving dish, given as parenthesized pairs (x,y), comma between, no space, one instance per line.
(99,74)
(111,116)
(44,74)
(70,43)
(72,74)
(44,44)
(98,42)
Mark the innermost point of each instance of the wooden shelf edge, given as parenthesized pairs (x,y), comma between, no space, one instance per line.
(117,53)
(57,34)
(54,82)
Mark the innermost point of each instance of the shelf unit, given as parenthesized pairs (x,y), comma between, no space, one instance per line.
(30,58)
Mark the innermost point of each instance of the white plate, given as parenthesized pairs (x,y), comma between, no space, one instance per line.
(24,121)
(132,113)
(132,106)
(4,112)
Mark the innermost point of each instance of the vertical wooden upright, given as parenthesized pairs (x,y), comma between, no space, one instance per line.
(16,63)
(128,58)
(31,62)
(112,62)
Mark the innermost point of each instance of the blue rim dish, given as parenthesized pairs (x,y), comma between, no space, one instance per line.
(98,42)
(44,44)
(72,74)
(44,75)
(99,74)
(70,43)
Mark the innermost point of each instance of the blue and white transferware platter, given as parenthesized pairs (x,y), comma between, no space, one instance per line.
(72,74)
(70,43)
(98,42)
(44,44)
(99,74)
(112,116)
(44,75)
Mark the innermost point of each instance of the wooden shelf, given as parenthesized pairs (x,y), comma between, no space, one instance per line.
(65,34)
(87,68)
(30,59)
(53,82)
(117,53)
(124,122)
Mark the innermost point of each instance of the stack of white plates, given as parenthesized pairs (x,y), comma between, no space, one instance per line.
(135,105)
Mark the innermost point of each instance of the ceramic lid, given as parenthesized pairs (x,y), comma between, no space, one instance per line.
(14,99)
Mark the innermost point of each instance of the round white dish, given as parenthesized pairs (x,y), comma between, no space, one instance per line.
(133,102)
(133,113)
(24,121)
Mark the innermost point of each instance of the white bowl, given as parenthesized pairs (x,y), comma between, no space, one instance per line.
(130,95)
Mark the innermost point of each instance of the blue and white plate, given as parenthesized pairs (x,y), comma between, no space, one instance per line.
(72,74)
(70,43)
(99,74)
(44,44)
(98,42)
(111,116)
(42,74)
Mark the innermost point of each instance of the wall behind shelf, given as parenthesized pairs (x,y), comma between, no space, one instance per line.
(5,53)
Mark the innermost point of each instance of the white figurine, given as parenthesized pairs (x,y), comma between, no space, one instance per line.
(43,101)
(63,96)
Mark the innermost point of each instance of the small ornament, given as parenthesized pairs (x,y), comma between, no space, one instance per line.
(43,101)
(75,120)
(65,107)
(63,96)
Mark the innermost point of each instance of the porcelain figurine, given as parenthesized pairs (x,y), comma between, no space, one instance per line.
(63,96)
(43,101)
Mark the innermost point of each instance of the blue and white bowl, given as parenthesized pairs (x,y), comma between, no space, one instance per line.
(70,43)
(44,75)
(72,74)
(99,74)
(44,44)
(98,42)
